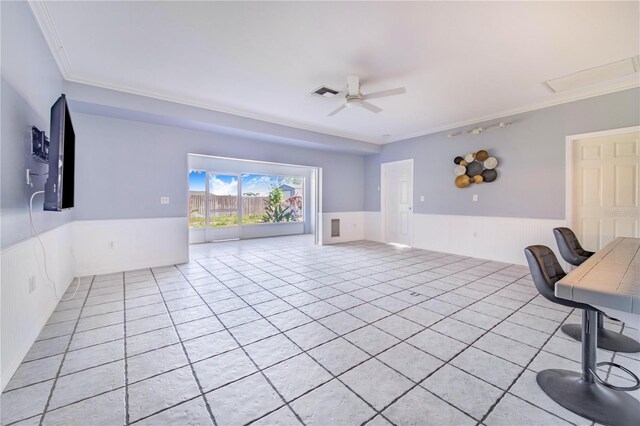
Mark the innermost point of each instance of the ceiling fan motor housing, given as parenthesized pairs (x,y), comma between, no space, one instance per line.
(354,101)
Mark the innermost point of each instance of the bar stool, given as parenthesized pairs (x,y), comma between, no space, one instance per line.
(585,393)
(573,253)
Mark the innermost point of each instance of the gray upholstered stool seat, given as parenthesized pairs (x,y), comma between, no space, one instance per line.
(573,253)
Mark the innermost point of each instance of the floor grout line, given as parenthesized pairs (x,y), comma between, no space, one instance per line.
(322,283)
(264,376)
(186,354)
(379,412)
(488,413)
(126,358)
(55,380)
(303,351)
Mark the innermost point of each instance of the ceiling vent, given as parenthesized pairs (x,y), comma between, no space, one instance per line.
(325,92)
(594,75)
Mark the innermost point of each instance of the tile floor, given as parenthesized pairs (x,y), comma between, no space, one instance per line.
(281,332)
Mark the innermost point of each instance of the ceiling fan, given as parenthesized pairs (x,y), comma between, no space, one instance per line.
(354,99)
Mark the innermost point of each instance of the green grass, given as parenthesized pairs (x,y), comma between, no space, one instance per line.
(220,221)
(196,222)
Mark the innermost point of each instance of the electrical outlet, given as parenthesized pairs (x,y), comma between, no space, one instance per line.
(111,244)
(32,283)
(164,200)
(475,197)
(422,198)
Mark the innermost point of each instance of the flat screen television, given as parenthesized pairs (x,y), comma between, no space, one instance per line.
(58,190)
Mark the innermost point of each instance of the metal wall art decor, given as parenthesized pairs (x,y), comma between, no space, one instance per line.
(475,167)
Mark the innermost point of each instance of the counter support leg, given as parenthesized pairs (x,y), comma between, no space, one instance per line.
(589,344)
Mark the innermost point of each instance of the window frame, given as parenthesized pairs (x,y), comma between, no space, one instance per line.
(239,209)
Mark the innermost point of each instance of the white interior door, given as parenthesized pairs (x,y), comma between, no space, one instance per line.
(605,193)
(397,181)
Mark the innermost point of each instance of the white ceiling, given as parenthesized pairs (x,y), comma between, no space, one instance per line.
(460,61)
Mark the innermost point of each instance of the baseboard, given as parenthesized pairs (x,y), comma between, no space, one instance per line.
(495,238)
(351,227)
(25,312)
(107,246)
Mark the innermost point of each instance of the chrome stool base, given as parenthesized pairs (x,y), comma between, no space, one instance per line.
(591,400)
(608,340)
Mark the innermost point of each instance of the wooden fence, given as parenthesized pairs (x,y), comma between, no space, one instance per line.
(250,205)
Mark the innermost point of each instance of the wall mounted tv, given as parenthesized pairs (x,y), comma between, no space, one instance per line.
(58,190)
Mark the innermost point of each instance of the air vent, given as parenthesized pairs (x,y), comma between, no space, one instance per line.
(594,75)
(325,92)
(335,228)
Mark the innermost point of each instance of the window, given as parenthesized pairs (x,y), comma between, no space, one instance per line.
(272,199)
(264,199)
(223,200)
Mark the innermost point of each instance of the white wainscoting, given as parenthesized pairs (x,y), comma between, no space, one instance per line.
(372,230)
(137,243)
(24,313)
(197,236)
(495,238)
(351,227)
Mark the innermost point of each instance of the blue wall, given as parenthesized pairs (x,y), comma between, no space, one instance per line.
(30,84)
(123,167)
(531,154)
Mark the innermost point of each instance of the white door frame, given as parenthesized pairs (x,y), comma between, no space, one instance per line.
(316,209)
(570,140)
(200,235)
(383,198)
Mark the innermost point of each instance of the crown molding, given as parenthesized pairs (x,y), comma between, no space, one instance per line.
(210,107)
(519,110)
(43,18)
(50,34)
(47,28)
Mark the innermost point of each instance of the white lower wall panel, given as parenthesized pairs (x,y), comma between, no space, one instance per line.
(372,230)
(106,246)
(351,227)
(495,238)
(24,313)
(197,236)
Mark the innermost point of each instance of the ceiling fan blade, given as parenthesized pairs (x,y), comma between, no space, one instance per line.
(370,107)
(337,110)
(353,85)
(385,93)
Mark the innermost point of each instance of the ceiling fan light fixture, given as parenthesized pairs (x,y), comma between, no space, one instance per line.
(353,98)
(354,103)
